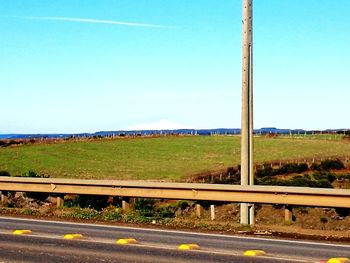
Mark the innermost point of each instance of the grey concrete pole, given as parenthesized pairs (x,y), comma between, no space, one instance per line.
(247,170)
(251,127)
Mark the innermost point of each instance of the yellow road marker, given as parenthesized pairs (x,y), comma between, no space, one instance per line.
(254,253)
(73,236)
(126,241)
(188,247)
(22,232)
(338,260)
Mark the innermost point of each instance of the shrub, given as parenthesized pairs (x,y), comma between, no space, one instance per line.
(33,174)
(96,202)
(136,218)
(292,168)
(4,173)
(264,172)
(83,213)
(343,176)
(166,211)
(232,170)
(284,169)
(323,219)
(343,212)
(111,214)
(28,211)
(323,183)
(34,195)
(145,206)
(324,175)
(299,181)
(181,205)
(147,210)
(226,179)
(271,181)
(315,167)
(232,179)
(303,181)
(335,164)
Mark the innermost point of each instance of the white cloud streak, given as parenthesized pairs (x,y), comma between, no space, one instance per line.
(92,21)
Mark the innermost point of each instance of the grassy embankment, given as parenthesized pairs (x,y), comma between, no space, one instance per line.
(166,158)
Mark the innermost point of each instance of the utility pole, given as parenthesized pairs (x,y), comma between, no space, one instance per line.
(247,165)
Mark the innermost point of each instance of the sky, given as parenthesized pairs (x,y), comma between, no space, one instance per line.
(69,66)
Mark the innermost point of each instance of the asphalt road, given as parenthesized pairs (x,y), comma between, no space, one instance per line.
(46,244)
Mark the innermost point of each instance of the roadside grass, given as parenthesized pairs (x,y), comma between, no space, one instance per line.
(165,158)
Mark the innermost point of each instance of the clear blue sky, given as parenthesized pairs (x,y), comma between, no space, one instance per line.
(70,66)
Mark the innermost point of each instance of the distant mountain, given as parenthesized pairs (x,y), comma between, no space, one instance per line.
(29,136)
(147,132)
(162,124)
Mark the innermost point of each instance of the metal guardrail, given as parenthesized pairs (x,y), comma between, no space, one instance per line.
(302,196)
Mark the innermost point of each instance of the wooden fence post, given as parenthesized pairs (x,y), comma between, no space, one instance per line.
(212,212)
(4,199)
(199,210)
(288,214)
(125,205)
(59,201)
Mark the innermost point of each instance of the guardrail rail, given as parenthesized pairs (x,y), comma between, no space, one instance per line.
(303,196)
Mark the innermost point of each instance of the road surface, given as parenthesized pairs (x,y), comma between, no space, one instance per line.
(46,244)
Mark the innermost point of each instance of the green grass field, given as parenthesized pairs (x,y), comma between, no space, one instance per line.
(165,158)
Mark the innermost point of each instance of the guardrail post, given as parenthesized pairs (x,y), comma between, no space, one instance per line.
(125,205)
(59,201)
(199,210)
(212,212)
(4,199)
(288,214)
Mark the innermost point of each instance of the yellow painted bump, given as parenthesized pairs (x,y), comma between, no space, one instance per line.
(126,241)
(188,247)
(338,260)
(22,232)
(73,236)
(254,253)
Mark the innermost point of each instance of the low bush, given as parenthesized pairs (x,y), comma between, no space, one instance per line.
(323,183)
(264,172)
(165,212)
(327,165)
(284,169)
(323,219)
(298,181)
(83,213)
(33,174)
(97,202)
(343,176)
(271,181)
(4,173)
(303,181)
(292,168)
(227,179)
(111,214)
(146,208)
(34,195)
(315,167)
(324,175)
(342,212)
(182,205)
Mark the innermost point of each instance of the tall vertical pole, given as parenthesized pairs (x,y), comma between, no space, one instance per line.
(247,169)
